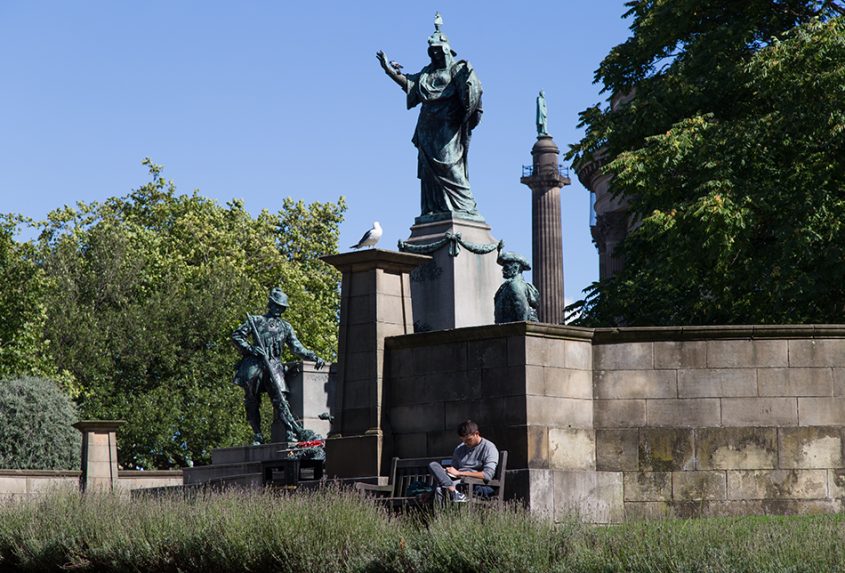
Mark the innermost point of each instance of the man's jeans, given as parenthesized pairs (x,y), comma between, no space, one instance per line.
(441,477)
(444,480)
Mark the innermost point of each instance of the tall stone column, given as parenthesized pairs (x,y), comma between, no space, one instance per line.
(375,302)
(546,181)
(99,454)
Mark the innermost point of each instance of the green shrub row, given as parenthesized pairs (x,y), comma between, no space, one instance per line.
(335,531)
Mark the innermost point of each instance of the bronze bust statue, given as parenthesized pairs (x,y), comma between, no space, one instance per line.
(516,300)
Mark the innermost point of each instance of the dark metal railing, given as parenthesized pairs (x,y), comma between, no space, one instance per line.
(562,170)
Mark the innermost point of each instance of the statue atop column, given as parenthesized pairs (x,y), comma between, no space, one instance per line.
(261,369)
(449,93)
(542,115)
(516,300)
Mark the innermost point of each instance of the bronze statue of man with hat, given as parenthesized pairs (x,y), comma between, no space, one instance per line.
(516,300)
(262,370)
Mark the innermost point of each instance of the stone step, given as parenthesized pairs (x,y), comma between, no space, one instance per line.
(251,480)
(203,474)
(243,454)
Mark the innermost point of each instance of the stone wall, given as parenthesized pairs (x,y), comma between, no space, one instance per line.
(722,425)
(14,483)
(529,387)
(614,424)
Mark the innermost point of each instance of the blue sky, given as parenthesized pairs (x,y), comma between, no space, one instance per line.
(260,100)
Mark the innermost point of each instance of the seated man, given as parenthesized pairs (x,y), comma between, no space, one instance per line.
(475,457)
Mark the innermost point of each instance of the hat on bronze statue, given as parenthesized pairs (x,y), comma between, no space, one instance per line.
(279,297)
(508,257)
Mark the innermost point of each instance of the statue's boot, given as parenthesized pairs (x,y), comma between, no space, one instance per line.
(257,439)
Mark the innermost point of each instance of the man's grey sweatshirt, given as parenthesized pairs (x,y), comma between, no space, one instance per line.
(484,457)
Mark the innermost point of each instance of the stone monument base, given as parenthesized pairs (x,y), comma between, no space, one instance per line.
(456,288)
(311,394)
(246,466)
(355,456)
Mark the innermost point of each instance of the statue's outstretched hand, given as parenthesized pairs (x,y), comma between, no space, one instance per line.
(382,59)
(393,70)
(319,363)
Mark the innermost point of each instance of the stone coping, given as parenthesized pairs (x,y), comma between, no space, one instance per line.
(471,333)
(451,219)
(367,259)
(40,473)
(616,335)
(131,474)
(749,331)
(99,425)
(77,473)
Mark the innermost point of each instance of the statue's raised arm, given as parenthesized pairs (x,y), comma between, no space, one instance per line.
(449,95)
(393,70)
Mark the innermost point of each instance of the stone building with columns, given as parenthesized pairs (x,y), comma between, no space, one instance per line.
(612,220)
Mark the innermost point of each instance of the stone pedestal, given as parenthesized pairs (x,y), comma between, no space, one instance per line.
(99,454)
(456,288)
(312,393)
(375,303)
(545,182)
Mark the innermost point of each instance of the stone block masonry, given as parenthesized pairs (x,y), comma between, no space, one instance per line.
(755,426)
(634,423)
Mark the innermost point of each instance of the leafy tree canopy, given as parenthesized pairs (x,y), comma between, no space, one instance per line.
(730,151)
(144,292)
(23,348)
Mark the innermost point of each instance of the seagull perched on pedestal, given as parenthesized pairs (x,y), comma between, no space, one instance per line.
(370,238)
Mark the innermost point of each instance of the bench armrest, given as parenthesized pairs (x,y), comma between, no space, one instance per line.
(474,483)
(372,490)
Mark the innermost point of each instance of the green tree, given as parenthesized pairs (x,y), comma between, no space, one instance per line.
(23,313)
(145,292)
(36,431)
(730,152)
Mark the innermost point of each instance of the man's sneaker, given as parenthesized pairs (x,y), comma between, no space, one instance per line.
(458,497)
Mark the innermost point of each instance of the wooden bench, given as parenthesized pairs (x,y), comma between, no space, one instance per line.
(405,471)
